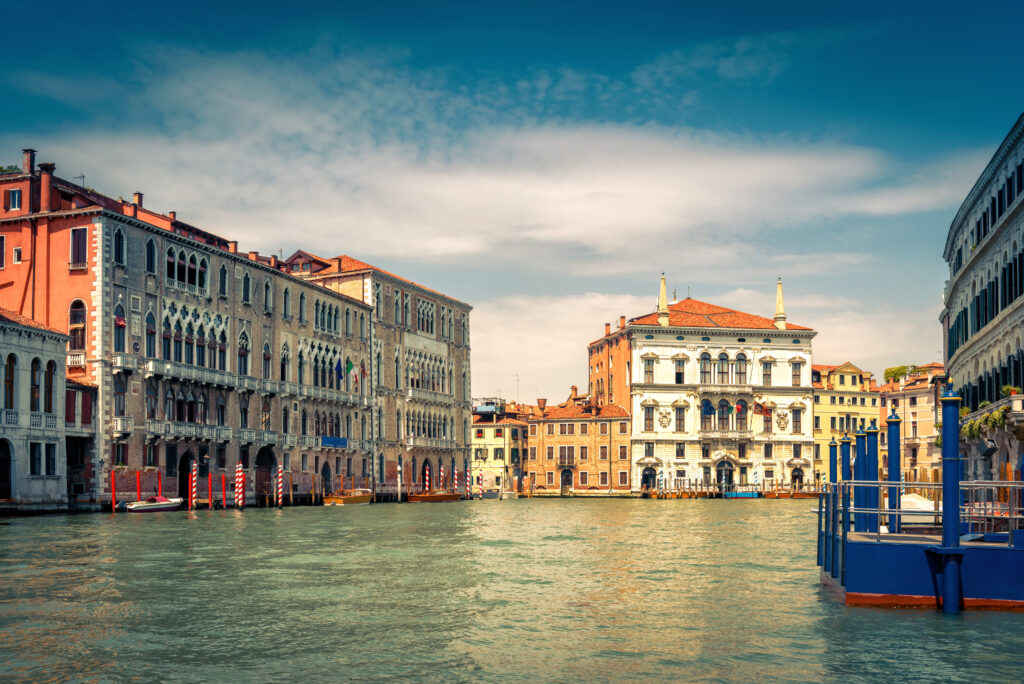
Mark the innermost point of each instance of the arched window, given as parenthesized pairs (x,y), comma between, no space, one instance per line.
(741,369)
(201,348)
(723,414)
(243,411)
(178,337)
(35,378)
(190,340)
(741,415)
(192,268)
(222,410)
(286,304)
(268,296)
(705,368)
(51,371)
(222,287)
(10,370)
(302,307)
(76,325)
(150,256)
(245,288)
(348,376)
(243,354)
(182,275)
(267,358)
(170,264)
(201,281)
(222,351)
(316,314)
(119,324)
(119,246)
(348,322)
(301,370)
(362,326)
(304,423)
(118,395)
(150,335)
(285,428)
(265,415)
(201,409)
(284,364)
(169,405)
(723,369)
(166,342)
(151,399)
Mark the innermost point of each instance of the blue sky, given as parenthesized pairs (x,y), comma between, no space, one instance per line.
(546,161)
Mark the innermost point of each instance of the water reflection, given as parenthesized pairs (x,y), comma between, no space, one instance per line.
(494,591)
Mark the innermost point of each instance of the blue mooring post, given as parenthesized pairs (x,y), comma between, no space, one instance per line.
(952,590)
(860,473)
(844,451)
(832,492)
(895,470)
(871,474)
(833,473)
(835,527)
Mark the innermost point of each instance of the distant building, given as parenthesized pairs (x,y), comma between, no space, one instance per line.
(499,444)
(915,399)
(845,401)
(715,395)
(33,461)
(578,446)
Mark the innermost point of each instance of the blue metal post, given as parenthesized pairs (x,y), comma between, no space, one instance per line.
(952,590)
(827,546)
(871,466)
(821,533)
(860,467)
(844,451)
(833,473)
(835,526)
(895,469)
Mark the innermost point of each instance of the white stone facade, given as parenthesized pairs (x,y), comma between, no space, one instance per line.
(33,464)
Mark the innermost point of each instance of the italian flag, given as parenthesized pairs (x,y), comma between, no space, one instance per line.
(348,367)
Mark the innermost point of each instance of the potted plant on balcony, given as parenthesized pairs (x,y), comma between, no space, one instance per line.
(1010,390)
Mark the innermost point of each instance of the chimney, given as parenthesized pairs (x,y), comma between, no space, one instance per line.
(233,246)
(780,311)
(336,261)
(607,329)
(173,215)
(46,186)
(542,404)
(572,392)
(622,322)
(662,304)
(273,261)
(137,198)
(28,161)
(254,256)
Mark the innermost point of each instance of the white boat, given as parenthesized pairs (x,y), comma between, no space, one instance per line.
(154,504)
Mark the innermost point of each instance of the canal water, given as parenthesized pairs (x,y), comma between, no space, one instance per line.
(471,591)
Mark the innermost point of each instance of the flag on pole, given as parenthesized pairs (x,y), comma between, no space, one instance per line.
(337,369)
(348,366)
(706,409)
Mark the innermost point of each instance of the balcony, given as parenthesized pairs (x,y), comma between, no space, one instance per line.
(707,388)
(427,396)
(726,434)
(430,442)
(10,417)
(247,436)
(125,363)
(270,386)
(291,388)
(267,437)
(122,425)
(181,430)
(309,441)
(290,440)
(248,383)
(224,434)
(76,359)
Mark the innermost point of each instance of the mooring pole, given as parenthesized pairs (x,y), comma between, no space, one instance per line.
(860,467)
(952,589)
(871,466)
(895,470)
(844,451)
(833,472)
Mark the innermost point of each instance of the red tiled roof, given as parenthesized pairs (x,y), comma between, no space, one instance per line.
(353,265)
(488,420)
(575,411)
(822,367)
(692,313)
(81,384)
(16,318)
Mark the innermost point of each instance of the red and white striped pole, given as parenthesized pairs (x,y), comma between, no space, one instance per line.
(209,487)
(195,478)
(480,481)
(440,476)
(280,486)
(238,486)
(455,479)
(469,485)
(426,480)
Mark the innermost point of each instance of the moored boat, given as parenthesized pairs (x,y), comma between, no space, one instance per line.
(349,497)
(434,496)
(154,504)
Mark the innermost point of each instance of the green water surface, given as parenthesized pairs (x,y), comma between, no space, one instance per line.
(562,590)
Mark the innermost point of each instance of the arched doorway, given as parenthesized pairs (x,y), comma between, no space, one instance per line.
(5,469)
(184,469)
(567,478)
(648,478)
(797,478)
(325,477)
(724,472)
(426,473)
(265,464)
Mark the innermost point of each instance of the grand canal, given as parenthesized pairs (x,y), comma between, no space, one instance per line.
(481,591)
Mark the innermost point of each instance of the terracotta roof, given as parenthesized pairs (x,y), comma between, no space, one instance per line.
(16,318)
(576,411)
(487,420)
(353,265)
(692,313)
(81,384)
(822,367)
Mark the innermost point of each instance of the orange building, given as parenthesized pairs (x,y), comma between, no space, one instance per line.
(578,446)
(915,399)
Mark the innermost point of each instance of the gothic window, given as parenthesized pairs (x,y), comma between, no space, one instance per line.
(192,270)
(243,411)
(286,304)
(190,340)
(119,395)
(119,246)
(201,348)
(76,325)
(119,324)
(177,342)
(302,307)
(243,354)
(166,341)
(267,358)
(246,284)
(265,415)
(182,276)
(268,296)
(222,284)
(151,400)
(150,256)
(150,335)
(201,278)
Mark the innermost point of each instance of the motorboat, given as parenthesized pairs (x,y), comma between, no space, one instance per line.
(349,497)
(434,495)
(154,504)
